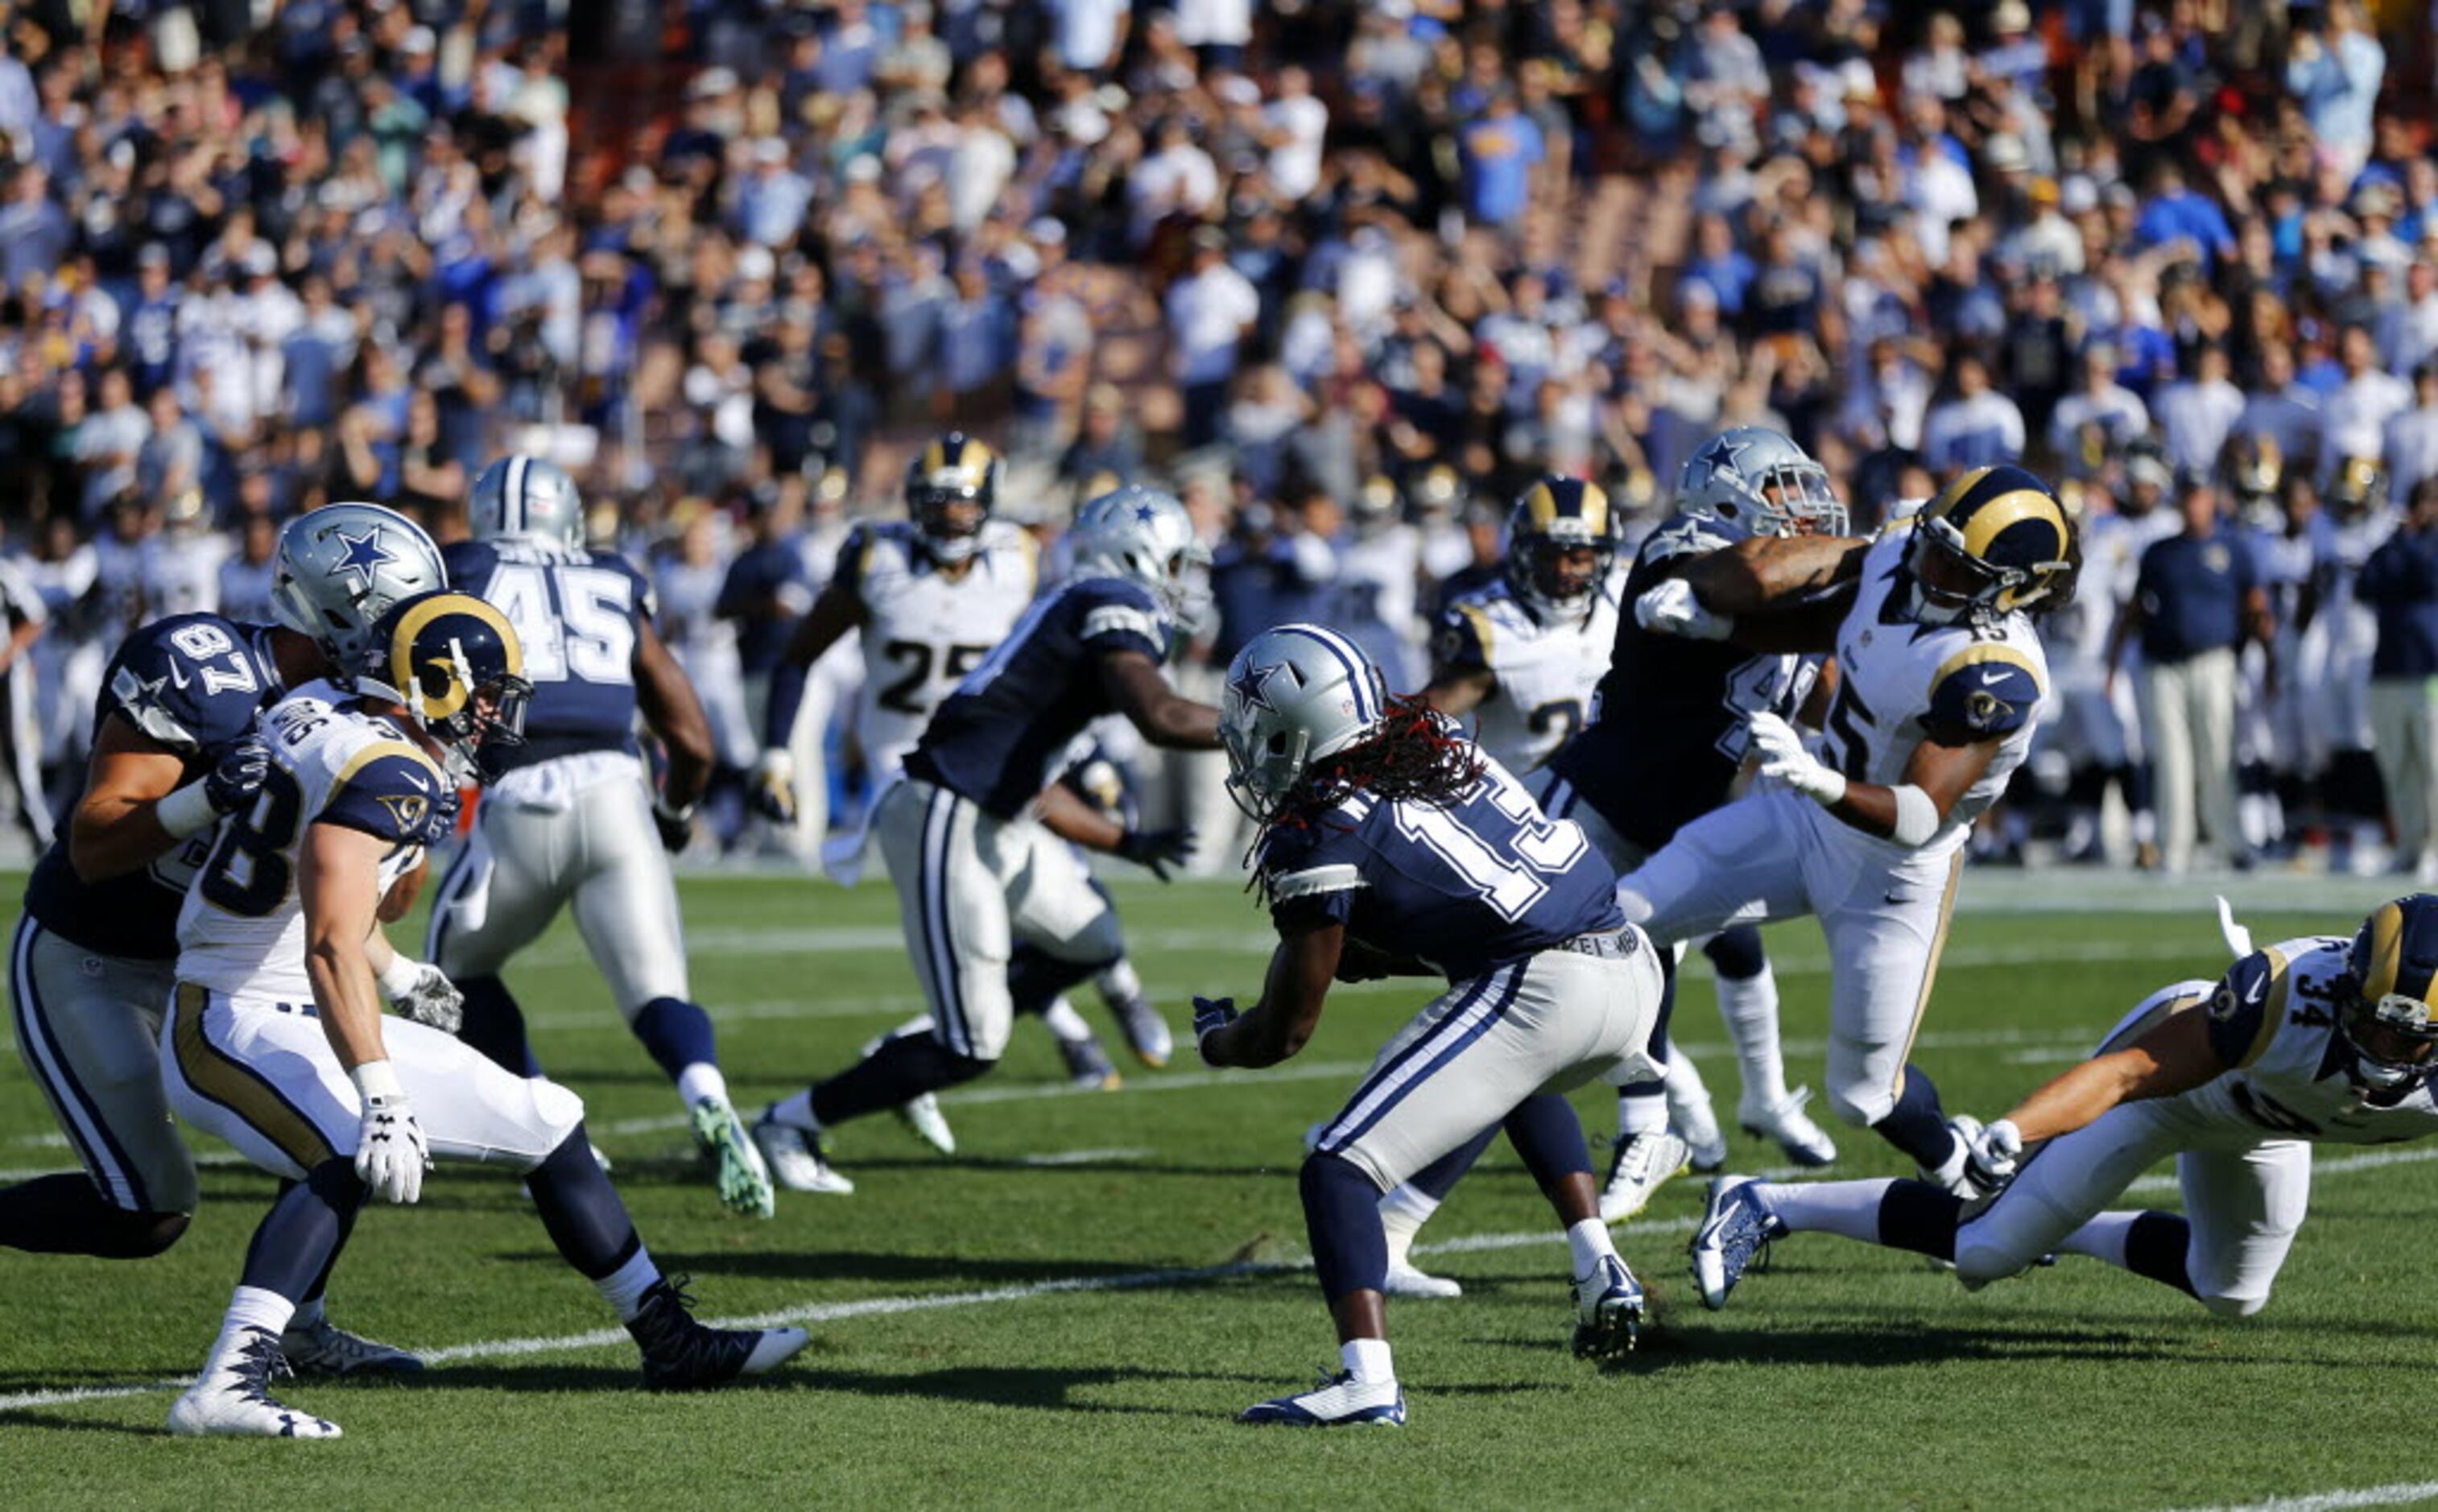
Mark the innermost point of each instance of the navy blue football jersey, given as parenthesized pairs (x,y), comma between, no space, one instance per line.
(1465,888)
(576,612)
(1010,728)
(1668,731)
(192,682)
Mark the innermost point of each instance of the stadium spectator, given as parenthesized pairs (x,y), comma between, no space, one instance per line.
(2400,583)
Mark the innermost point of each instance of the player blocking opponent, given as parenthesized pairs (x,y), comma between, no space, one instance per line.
(975,835)
(571,820)
(2318,1040)
(276,1042)
(1389,844)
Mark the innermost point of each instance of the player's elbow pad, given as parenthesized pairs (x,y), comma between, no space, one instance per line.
(1916,817)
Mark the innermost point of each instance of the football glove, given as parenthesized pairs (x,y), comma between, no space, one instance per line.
(422,993)
(1160,849)
(237,773)
(440,821)
(1672,608)
(1783,758)
(390,1152)
(1211,1015)
(1992,1156)
(772,790)
(675,824)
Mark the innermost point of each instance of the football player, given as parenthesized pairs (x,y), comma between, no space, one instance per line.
(91,969)
(974,835)
(1390,844)
(2318,1040)
(571,818)
(276,1042)
(1940,681)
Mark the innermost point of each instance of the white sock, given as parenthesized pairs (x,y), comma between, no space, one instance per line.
(1367,1360)
(1118,983)
(1749,1008)
(1686,1095)
(623,1288)
(1591,1243)
(1403,1212)
(797,1110)
(2102,1239)
(699,1081)
(308,1312)
(1641,1114)
(251,1306)
(1065,1022)
(1850,1208)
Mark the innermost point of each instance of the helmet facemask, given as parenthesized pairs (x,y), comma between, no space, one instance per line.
(1560,571)
(1793,497)
(2394,1041)
(467,716)
(951,520)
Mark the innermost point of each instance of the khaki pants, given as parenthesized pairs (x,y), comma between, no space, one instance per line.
(2404,730)
(2189,723)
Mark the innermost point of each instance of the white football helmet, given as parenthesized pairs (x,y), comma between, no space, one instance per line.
(1144,535)
(1731,477)
(340,568)
(1295,694)
(526,496)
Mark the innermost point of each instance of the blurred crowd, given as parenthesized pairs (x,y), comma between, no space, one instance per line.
(1347,273)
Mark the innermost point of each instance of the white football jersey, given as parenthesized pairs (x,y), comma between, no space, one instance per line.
(1546,670)
(1903,682)
(922,632)
(242,930)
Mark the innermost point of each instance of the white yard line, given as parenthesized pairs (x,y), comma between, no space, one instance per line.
(2397,1494)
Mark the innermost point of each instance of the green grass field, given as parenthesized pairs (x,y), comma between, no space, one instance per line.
(1072,1309)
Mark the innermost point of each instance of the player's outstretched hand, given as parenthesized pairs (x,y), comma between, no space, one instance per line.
(675,824)
(237,773)
(1160,849)
(1992,1158)
(1211,1015)
(1783,758)
(1671,609)
(772,790)
(390,1152)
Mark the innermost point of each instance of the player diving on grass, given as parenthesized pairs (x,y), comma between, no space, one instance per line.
(1390,845)
(571,818)
(1940,679)
(174,749)
(274,1040)
(976,836)
(2321,1040)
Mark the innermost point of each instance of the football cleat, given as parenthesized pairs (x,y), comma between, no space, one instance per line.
(1735,1230)
(923,1118)
(797,1160)
(1643,1163)
(744,1180)
(683,1354)
(232,1398)
(1146,1033)
(1805,1143)
(1608,1311)
(1088,1067)
(1405,1281)
(323,1348)
(1338,1402)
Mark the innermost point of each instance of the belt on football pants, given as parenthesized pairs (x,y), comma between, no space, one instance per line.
(1615,945)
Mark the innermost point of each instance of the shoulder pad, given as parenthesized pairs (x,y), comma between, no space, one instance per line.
(1684,535)
(1980,693)
(1115,615)
(468,565)
(646,596)
(2246,1005)
(188,682)
(1463,637)
(387,789)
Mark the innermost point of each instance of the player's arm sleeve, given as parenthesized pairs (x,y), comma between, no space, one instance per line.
(1987,696)
(1308,881)
(1674,546)
(2246,1007)
(387,794)
(1122,622)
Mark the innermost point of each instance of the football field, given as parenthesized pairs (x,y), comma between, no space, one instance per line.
(1071,1309)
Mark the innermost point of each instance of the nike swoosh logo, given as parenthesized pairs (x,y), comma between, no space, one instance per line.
(179,672)
(1896,897)
(2259,990)
(420,785)
(1990,674)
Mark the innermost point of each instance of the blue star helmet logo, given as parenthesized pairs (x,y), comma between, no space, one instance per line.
(1251,687)
(1145,514)
(1721,451)
(364,552)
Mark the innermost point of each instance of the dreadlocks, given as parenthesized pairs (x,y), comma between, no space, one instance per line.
(1414,755)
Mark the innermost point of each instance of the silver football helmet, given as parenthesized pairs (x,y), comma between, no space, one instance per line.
(1144,535)
(341,568)
(527,496)
(1756,481)
(1295,695)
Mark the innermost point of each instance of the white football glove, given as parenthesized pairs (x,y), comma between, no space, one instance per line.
(1783,758)
(421,992)
(1992,1156)
(1672,608)
(1211,1015)
(390,1152)
(770,788)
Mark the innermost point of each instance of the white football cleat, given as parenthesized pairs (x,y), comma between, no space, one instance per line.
(232,1398)
(1405,1281)
(323,1348)
(744,1181)
(1643,1163)
(796,1158)
(1339,1400)
(923,1118)
(1805,1143)
(1706,1143)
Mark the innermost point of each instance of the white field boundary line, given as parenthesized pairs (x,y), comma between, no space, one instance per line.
(2397,1494)
(821,1313)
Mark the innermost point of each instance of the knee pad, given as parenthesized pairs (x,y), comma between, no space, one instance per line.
(1736,953)
(2234,1307)
(560,1111)
(1861,1106)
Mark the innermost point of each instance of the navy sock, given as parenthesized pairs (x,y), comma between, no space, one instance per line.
(1439,1177)
(298,1240)
(1550,1137)
(1035,977)
(1919,1216)
(905,1067)
(677,1033)
(1734,953)
(65,1214)
(581,1210)
(495,1026)
(1917,1125)
(1341,1211)
(2156,1245)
